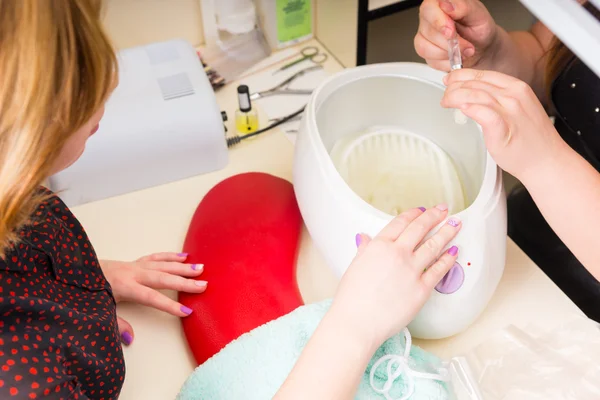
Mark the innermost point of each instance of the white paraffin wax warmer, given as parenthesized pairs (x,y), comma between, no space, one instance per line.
(374,141)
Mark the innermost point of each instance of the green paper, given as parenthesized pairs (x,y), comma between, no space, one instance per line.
(294,19)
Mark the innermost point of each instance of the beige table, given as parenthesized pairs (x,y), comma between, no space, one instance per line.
(157,219)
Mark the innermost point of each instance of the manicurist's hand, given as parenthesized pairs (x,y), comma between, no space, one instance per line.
(440,20)
(383,289)
(517,131)
(140,280)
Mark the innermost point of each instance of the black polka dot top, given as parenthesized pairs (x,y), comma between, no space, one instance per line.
(58,330)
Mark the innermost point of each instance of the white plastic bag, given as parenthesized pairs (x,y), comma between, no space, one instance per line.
(513,364)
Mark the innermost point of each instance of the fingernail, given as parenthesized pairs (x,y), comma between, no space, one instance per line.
(447,32)
(182,254)
(422,209)
(197,267)
(358,239)
(453,251)
(454,222)
(446,6)
(186,310)
(445,79)
(126,338)
(201,283)
(442,207)
(469,52)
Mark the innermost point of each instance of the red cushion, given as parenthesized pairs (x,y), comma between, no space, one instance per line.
(246,232)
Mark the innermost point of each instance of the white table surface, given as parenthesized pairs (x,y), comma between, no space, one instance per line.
(157,219)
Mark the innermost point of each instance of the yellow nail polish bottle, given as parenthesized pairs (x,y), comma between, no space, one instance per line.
(246,118)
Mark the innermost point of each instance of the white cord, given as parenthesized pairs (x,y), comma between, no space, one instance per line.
(402,369)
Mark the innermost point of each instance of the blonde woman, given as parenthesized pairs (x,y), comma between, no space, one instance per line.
(59,333)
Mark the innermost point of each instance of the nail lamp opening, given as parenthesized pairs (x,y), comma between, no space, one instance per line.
(375,141)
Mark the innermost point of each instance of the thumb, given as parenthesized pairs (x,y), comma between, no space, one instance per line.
(125,330)
(466,12)
(362,241)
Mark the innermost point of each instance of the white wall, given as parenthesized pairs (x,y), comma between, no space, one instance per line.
(136,22)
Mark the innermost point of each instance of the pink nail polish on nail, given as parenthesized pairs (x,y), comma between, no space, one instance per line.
(422,209)
(453,251)
(197,267)
(358,239)
(126,338)
(182,254)
(453,222)
(186,310)
(442,207)
(201,283)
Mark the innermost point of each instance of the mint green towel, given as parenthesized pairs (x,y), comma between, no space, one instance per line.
(255,365)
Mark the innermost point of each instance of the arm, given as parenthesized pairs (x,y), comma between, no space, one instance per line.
(380,293)
(522,140)
(567,192)
(332,364)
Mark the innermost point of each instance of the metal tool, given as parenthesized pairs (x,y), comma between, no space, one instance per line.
(307,53)
(283,87)
(289,118)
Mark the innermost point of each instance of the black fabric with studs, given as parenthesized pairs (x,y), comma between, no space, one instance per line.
(576,98)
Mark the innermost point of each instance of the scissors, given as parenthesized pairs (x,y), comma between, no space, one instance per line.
(283,87)
(307,53)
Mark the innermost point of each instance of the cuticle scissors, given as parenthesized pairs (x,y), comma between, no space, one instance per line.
(307,53)
(282,88)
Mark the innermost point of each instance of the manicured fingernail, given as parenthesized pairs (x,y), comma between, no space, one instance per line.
(446,6)
(442,207)
(453,251)
(201,283)
(186,310)
(182,254)
(454,222)
(358,239)
(197,267)
(126,338)
(469,52)
(447,32)
(422,209)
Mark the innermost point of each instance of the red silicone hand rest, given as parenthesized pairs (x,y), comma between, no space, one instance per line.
(246,232)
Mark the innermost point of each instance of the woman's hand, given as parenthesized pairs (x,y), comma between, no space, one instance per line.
(440,20)
(517,130)
(383,289)
(394,274)
(139,282)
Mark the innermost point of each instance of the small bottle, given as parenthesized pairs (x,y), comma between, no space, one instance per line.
(246,118)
